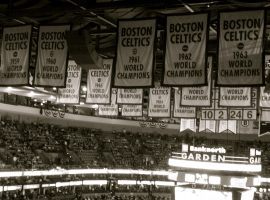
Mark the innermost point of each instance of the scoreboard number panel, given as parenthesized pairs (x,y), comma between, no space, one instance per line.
(208,114)
(250,114)
(221,114)
(236,114)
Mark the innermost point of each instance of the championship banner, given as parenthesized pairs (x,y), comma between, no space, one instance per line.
(207,126)
(264,98)
(182,111)
(265,115)
(71,94)
(132,110)
(265,90)
(227,125)
(198,96)
(99,84)
(235,96)
(159,102)
(52,56)
(129,96)
(247,127)
(214,112)
(15,56)
(135,53)
(185,57)
(264,128)
(188,124)
(110,109)
(240,58)
(267,74)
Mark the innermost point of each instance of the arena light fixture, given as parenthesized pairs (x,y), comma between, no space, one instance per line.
(127,182)
(62,184)
(12,187)
(11,174)
(74,183)
(95,182)
(48,185)
(164,183)
(146,182)
(31,186)
(214,166)
(59,172)
(84,88)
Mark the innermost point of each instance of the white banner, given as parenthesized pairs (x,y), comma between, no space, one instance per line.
(52,56)
(247,127)
(235,96)
(185,57)
(135,53)
(240,60)
(159,102)
(132,110)
(267,74)
(15,55)
(110,109)
(265,115)
(207,126)
(182,111)
(188,124)
(264,98)
(227,125)
(265,91)
(129,96)
(99,84)
(71,94)
(198,96)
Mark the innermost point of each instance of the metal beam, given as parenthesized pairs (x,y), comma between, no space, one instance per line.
(93,14)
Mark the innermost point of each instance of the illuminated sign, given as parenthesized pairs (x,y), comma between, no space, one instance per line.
(202,149)
(216,180)
(216,159)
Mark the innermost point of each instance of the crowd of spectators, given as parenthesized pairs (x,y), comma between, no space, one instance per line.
(90,193)
(44,146)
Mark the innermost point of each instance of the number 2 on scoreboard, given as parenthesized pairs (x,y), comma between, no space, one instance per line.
(220,114)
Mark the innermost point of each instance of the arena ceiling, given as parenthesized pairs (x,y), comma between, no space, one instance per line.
(99,18)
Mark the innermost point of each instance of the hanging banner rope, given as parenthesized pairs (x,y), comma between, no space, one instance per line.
(135,53)
(235,96)
(52,56)
(71,94)
(110,109)
(240,52)
(185,57)
(159,102)
(132,110)
(182,111)
(198,96)
(15,56)
(99,84)
(129,96)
